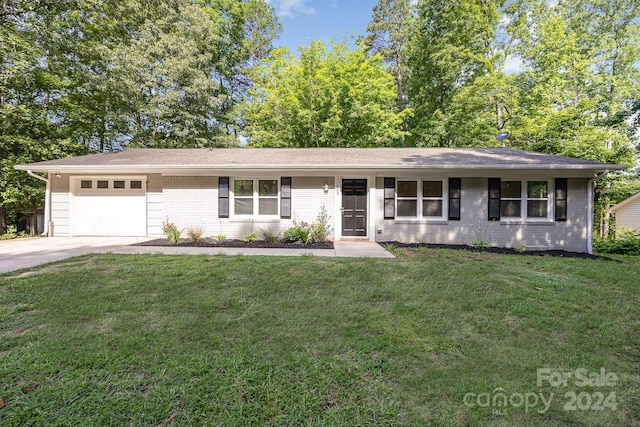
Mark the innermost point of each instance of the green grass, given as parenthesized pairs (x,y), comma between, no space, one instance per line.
(180,340)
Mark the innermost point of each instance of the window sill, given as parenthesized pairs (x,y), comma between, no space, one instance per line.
(543,221)
(266,219)
(434,221)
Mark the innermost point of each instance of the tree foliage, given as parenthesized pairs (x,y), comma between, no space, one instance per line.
(323,98)
(99,75)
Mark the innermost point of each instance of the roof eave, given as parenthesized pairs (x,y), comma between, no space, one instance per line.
(624,203)
(108,168)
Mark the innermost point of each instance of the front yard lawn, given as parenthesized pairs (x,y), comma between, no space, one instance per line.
(436,336)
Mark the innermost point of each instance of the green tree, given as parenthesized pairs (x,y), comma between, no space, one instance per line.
(580,78)
(30,89)
(451,46)
(388,35)
(335,98)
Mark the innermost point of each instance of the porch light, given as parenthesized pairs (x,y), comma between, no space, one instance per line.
(326,188)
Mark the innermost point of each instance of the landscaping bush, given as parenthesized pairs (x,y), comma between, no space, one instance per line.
(626,243)
(250,238)
(270,236)
(220,237)
(319,229)
(171,231)
(299,233)
(195,233)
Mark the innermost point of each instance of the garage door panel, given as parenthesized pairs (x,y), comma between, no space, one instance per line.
(109,212)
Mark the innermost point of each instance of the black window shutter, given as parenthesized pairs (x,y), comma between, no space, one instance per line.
(494,199)
(285,197)
(223,197)
(561,199)
(455,190)
(389,198)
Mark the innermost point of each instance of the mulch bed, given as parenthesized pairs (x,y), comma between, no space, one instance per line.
(211,243)
(508,251)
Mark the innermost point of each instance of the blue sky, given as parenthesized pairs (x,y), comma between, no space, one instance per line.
(326,20)
(331,20)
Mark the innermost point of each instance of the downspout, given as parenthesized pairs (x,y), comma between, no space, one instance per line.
(590,208)
(47,202)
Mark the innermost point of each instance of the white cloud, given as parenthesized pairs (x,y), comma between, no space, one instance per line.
(289,7)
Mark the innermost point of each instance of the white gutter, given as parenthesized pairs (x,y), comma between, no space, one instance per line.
(47,202)
(590,212)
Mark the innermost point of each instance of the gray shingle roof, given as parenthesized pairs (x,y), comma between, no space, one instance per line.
(317,158)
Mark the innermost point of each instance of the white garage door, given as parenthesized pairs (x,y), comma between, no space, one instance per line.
(109,206)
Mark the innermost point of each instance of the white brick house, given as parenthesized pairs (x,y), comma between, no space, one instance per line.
(507,197)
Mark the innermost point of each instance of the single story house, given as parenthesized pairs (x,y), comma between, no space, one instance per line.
(627,213)
(506,197)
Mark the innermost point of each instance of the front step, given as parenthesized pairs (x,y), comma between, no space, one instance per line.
(354,239)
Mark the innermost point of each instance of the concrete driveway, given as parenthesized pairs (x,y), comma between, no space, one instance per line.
(24,253)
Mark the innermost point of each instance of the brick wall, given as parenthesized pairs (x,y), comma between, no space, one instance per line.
(474,224)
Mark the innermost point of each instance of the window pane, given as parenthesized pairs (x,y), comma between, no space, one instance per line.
(268,206)
(85,184)
(537,208)
(103,184)
(432,189)
(407,208)
(407,189)
(243,187)
(510,208)
(268,187)
(537,189)
(432,208)
(511,189)
(243,205)
(118,184)
(135,184)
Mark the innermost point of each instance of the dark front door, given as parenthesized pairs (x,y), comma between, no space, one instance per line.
(354,207)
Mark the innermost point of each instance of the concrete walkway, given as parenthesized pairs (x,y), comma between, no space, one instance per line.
(25,253)
(340,249)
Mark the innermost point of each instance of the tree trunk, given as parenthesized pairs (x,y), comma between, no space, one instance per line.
(606,215)
(3,221)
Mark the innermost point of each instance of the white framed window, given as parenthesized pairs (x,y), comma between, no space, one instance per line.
(255,197)
(432,199)
(407,199)
(420,199)
(538,205)
(511,199)
(525,200)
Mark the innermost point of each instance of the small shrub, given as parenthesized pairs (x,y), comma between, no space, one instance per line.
(299,233)
(319,229)
(250,238)
(12,233)
(481,235)
(220,237)
(625,243)
(480,244)
(171,231)
(270,236)
(195,233)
